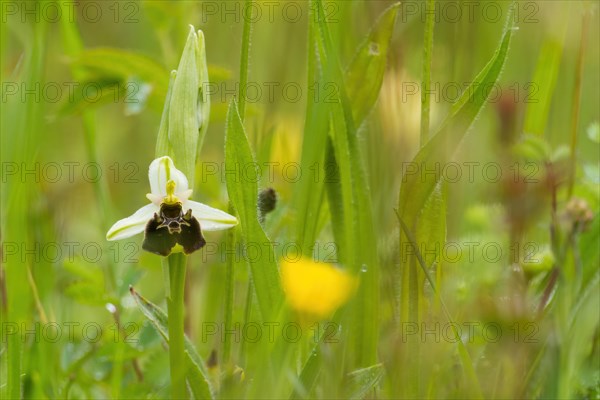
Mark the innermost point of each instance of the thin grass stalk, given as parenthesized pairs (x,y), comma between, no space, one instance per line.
(426,80)
(577,100)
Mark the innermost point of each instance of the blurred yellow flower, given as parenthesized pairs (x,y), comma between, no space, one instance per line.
(316,289)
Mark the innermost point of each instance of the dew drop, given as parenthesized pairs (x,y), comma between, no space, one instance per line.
(111,308)
(373,49)
(364,268)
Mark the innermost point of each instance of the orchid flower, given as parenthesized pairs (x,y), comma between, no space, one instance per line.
(171,222)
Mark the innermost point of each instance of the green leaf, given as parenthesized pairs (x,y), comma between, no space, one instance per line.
(421,202)
(122,63)
(242,186)
(106,61)
(309,374)
(92,94)
(197,376)
(465,358)
(359,241)
(414,190)
(364,76)
(362,381)
(309,193)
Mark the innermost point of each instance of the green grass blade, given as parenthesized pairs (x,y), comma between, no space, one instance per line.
(426,79)
(364,75)
(308,376)
(415,191)
(243,193)
(466,361)
(359,239)
(364,380)
(310,188)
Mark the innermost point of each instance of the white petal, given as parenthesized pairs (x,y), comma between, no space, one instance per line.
(133,224)
(163,170)
(211,219)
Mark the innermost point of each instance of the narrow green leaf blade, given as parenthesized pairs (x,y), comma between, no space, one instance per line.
(360,242)
(414,190)
(242,186)
(364,76)
(363,380)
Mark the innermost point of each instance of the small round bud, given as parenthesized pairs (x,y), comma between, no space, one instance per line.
(267,201)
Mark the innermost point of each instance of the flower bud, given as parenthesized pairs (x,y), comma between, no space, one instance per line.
(187,106)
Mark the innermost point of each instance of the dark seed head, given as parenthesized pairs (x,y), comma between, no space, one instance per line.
(267,200)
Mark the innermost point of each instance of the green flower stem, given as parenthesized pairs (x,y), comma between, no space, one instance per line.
(176,263)
(229,284)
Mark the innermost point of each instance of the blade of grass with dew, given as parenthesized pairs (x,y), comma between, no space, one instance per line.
(364,75)
(362,381)
(544,79)
(415,191)
(243,193)
(197,374)
(359,238)
(309,374)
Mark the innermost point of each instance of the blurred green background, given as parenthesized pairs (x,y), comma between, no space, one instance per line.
(87,161)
